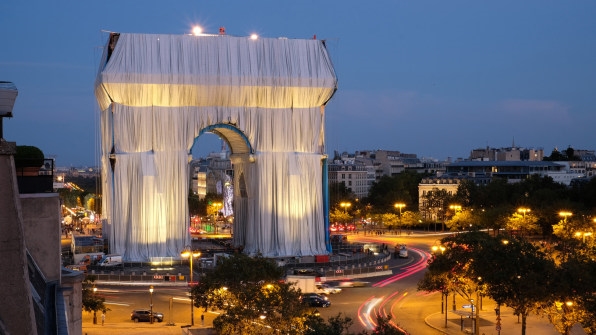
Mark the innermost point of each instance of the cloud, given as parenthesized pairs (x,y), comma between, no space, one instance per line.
(542,109)
(386,104)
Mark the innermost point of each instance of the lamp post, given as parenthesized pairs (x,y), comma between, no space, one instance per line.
(565,214)
(151,304)
(400,205)
(455,209)
(217,206)
(190,254)
(445,292)
(583,235)
(523,210)
(345,206)
(94,299)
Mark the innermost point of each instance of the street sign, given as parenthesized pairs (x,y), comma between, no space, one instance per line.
(466,306)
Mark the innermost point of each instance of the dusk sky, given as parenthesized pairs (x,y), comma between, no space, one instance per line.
(432,78)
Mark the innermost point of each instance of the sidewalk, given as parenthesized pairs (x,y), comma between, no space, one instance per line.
(488,323)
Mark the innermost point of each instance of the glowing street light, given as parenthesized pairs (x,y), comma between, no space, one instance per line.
(190,254)
(345,206)
(399,205)
(455,208)
(565,214)
(524,210)
(583,235)
(151,304)
(436,248)
(94,298)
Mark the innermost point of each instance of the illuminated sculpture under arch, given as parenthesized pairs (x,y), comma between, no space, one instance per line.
(266,97)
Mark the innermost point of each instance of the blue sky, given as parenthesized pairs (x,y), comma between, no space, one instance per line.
(434,78)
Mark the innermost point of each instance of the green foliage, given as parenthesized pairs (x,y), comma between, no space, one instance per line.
(384,327)
(403,187)
(338,192)
(339,215)
(525,279)
(27,155)
(247,289)
(462,220)
(337,325)
(92,302)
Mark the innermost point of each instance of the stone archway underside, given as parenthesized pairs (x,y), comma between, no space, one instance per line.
(156,93)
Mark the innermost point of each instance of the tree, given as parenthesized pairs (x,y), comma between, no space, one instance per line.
(410,219)
(390,220)
(194,205)
(92,302)
(252,296)
(524,223)
(339,215)
(462,220)
(338,192)
(336,325)
(523,281)
(524,278)
(386,191)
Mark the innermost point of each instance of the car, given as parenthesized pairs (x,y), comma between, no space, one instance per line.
(312,295)
(144,315)
(403,251)
(325,288)
(353,283)
(313,301)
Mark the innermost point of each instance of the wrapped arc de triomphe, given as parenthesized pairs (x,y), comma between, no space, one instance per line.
(265,97)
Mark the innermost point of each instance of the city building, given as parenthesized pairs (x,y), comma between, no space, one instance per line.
(390,163)
(512,153)
(513,171)
(352,174)
(214,174)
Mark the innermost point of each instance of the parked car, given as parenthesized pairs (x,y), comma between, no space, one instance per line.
(313,301)
(144,315)
(312,295)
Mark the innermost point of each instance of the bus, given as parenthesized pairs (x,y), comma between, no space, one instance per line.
(86,245)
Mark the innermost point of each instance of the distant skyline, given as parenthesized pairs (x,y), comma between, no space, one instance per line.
(433,78)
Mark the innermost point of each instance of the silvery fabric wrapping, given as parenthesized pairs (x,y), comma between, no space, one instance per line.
(266,96)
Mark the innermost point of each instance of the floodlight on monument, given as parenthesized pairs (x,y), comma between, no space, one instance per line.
(254,36)
(197,30)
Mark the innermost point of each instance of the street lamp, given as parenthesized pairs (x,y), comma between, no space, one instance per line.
(94,299)
(151,304)
(400,205)
(444,292)
(345,206)
(583,235)
(190,254)
(523,210)
(455,208)
(565,214)
(217,206)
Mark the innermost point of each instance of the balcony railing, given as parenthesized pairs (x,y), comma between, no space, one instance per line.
(39,181)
